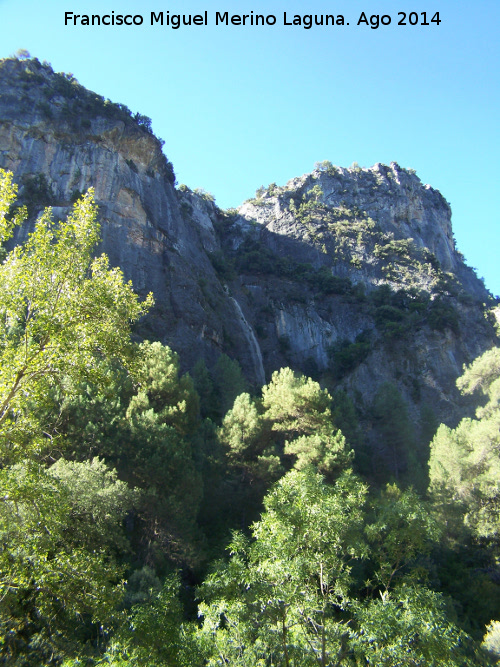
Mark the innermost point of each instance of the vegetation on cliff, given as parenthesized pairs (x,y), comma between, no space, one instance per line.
(62,100)
(122,481)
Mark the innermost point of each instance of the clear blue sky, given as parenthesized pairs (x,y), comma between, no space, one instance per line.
(242,106)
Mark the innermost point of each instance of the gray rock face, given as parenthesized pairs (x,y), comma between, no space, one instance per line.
(51,127)
(289,279)
(401,206)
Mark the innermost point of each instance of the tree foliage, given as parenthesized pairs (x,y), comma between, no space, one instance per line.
(280,598)
(61,311)
(464,472)
(401,530)
(146,428)
(398,436)
(291,423)
(158,420)
(60,534)
(290,596)
(491,641)
(408,627)
(327,575)
(464,465)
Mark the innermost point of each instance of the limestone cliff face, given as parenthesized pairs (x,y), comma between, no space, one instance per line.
(295,277)
(364,229)
(393,197)
(59,139)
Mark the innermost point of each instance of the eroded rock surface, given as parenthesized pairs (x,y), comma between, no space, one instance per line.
(295,277)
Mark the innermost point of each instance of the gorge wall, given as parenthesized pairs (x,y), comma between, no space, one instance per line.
(351,275)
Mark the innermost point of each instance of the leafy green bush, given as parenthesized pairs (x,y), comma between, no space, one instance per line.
(204,194)
(345,355)
(442,315)
(256,261)
(37,193)
(223,265)
(325,282)
(384,314)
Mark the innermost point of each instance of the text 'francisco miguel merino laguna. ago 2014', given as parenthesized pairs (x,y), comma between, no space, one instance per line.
(306,21)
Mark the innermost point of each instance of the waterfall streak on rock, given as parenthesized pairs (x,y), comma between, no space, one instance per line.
(253,345)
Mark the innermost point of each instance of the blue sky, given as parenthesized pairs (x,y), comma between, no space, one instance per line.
(242,106)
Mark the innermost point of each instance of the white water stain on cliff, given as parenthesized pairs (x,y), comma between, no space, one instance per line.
(253,345)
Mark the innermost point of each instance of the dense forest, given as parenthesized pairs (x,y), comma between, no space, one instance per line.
(154,518)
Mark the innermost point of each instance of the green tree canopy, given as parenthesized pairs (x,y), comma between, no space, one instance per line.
(290,424)
(61,311)
(62,314)
(398,437)
(464,466)
(280,598)
(464,473)
(60,534)
(293,594)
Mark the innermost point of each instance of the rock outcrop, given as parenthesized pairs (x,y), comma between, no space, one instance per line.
(351,275)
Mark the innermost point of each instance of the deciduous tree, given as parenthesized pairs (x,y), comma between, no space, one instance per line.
(61,311)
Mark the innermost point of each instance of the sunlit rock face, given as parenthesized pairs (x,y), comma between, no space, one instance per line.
(59,140)
(293,277)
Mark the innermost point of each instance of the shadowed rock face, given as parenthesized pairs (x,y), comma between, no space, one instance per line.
(289,279)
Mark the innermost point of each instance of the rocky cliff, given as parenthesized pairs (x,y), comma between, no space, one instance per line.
(351,275)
